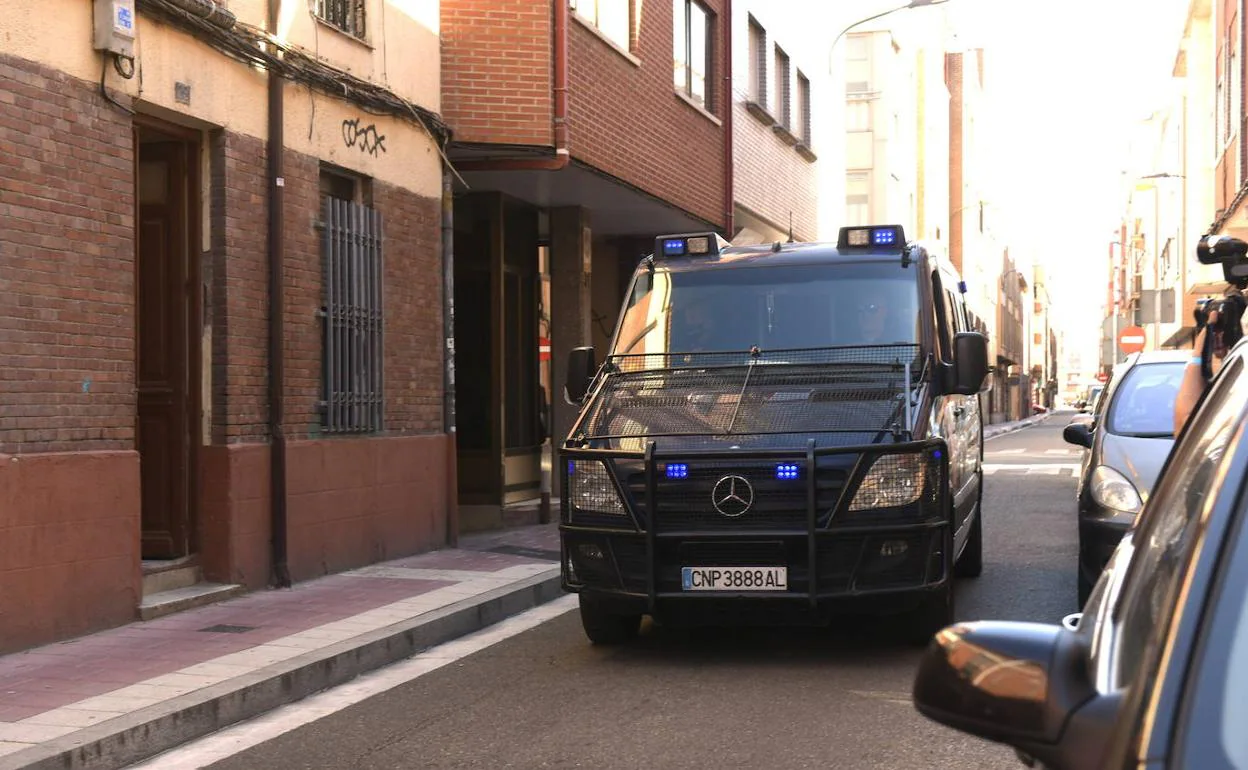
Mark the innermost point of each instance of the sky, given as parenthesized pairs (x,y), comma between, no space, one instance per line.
(1069,83)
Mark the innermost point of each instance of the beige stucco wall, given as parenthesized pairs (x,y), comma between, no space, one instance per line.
(401,53)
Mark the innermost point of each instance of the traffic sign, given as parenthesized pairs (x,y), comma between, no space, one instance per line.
(1131,340)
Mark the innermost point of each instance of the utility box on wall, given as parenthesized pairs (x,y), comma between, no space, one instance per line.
(115,27)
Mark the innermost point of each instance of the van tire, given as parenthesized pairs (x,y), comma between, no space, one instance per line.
(971,563)
(604,627)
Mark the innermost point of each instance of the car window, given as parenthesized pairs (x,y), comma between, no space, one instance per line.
(1166,528)
(1143,403)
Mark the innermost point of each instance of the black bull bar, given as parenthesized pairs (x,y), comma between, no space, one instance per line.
(933,513)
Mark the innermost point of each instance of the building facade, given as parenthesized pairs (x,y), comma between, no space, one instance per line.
(1187,180)
(779,85)
(222,329)
(582,130)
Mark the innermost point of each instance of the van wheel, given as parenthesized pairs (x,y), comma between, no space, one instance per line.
(931,616)
(971,563)
(605,627)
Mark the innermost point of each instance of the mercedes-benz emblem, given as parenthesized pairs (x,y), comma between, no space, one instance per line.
(732,496)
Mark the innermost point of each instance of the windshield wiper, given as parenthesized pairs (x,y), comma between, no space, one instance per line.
(1153,434)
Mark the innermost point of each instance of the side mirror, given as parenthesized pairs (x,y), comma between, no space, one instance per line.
(1079,434)
(581,370)
(1021,684)
(970,363)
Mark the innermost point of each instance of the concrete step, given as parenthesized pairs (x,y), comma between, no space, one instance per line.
(188,597)
(159,576)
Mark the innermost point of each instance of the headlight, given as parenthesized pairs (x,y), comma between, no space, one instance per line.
(592,488)
(1110,489)
(893,481)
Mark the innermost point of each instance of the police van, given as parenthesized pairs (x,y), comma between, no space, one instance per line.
(777,434)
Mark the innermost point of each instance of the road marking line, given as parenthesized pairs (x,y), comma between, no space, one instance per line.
(1008,451)
(1066,452)
(244,736)
(1038,469)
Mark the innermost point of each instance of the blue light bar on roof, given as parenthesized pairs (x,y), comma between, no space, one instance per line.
(689,245)
(871,238)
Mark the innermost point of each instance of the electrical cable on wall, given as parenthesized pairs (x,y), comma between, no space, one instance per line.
(104,89)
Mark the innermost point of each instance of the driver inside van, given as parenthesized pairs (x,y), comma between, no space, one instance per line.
(880,321)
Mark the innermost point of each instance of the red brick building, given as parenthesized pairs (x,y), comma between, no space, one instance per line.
(582,129)
(165,436)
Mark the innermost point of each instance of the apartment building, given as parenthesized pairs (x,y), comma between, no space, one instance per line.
(582,129)
(1187,179)
(780,87)
(221,332)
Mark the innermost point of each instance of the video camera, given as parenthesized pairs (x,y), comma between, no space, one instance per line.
(1226,330)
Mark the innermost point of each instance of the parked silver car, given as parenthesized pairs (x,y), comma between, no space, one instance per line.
(1129,437)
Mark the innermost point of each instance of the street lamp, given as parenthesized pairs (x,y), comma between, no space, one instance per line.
(906,7)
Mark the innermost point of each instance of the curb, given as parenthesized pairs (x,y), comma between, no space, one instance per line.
(158,728)
(1003,428)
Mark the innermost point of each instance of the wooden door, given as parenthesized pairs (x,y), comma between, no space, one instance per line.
(163,365)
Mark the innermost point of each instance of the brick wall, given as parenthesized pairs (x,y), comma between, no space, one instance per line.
(770,178)
(412,298)
(240,290)
(496,70)
(413,309)
(66,264)
(625,118)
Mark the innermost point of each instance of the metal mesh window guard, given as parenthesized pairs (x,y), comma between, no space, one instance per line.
(346,15)
(859,389)
(352,350)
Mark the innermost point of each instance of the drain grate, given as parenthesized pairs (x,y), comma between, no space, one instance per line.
(226,628)
(532,553)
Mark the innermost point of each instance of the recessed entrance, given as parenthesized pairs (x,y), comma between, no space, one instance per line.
(168,326)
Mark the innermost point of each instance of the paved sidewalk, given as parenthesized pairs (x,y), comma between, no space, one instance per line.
(1000,428)
(113,698)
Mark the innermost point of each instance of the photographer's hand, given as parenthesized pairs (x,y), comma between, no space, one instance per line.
(1193,383)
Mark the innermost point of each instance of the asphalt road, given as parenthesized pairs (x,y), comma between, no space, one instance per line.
(760,699)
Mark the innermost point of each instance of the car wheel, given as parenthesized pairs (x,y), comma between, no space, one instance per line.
(971,563)
(605,627)
(931,616)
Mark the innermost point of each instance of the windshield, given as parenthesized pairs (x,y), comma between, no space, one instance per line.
(1143,405)
(787,307)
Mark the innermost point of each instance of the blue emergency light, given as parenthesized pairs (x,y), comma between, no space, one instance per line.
(677,471)
(786,471)
(689,245)
(871,238)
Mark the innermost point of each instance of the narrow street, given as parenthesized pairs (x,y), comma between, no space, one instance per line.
(541,696)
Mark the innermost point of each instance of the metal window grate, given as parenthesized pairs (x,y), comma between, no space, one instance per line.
(353,321)
(851,390)
(346,15)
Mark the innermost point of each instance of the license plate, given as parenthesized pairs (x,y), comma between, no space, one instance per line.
(734,578)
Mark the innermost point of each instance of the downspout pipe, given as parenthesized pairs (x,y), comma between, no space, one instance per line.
(277,311)
(729,105)
(448,352)
(559,113)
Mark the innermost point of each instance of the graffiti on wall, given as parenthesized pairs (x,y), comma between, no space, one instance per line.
(365,137)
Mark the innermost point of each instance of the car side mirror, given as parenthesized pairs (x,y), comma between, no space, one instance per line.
(970,363)
(1079,434)
(1021,684)
(581,370)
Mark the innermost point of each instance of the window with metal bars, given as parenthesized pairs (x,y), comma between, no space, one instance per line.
(352,346)
(346,15)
